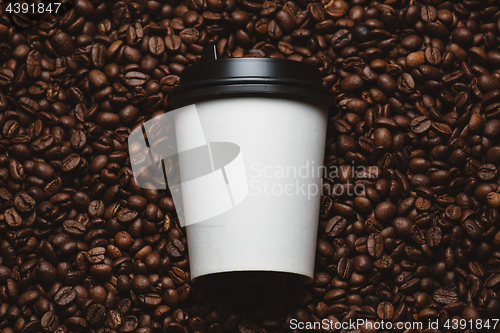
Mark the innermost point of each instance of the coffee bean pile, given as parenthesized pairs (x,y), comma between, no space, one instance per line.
(84,249)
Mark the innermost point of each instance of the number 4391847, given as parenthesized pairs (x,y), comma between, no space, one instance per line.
(471,324)
(33,8)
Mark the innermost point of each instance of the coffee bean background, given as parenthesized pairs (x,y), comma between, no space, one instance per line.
(84,249)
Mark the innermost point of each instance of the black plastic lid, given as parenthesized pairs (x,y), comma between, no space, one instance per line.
(213,77)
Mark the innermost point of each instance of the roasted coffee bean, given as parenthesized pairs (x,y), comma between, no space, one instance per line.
(49,322)
(130,323)
(433,237)
(420,124)
(344,268)
(34,64)
(172,43)
(96,314)
(96,255)
(70,163)
(336,226)
(24,203)
(351,83)
(135,79)
(98,55)
(12,218)
(77,323)
(150,301)
(341,38)
(156,46)
(114,319)
(65,296)
(6,76)
(96,208)
(385,311)
(384,264)
(46,273)
(444,296)
(28,297)
(385,211)
(375,245)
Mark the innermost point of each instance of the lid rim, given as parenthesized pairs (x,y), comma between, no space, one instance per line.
(249,75)
(251,81)
(265,90)
(239,67)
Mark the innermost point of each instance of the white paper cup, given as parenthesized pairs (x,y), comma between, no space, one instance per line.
(250,136)
(274,228)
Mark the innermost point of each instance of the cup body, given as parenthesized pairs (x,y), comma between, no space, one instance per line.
(272,223)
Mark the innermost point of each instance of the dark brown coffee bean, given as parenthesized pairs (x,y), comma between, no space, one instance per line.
(274,30)
(402,226)
(11,129)
(126,215)
(34,64)
(420,124)
(65,296)
(6,76)
(341,38)
(150,301)
(24,203)
(28,297)
(31,326)
(351,83)
(98,55)
(45,273)
(336,226)
(130,323)
(410,286)
(285,48)
(114,319)
(335,296)
(74,228)
(189,35)
(172,43)
(385,211)
(405,83)
(493,280)
(78,140)
(70,163)
(49,322)
(175,248)
(177,275)
(345,268)
(444,296)
(156,46)
(385,311)
(362,264)
(316,12)
(96,315)
(77,323)
(384,264)
(433,56)
(96,208)
(441,129)
(98,79)
(375,245)
(43,143)
(134,33)
(433,237)
(12,218)
(135,79)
